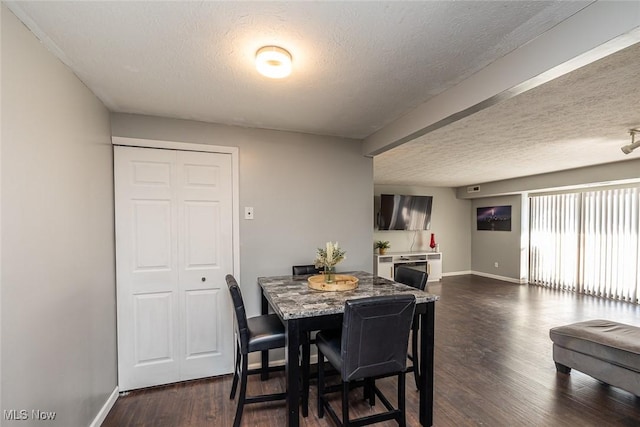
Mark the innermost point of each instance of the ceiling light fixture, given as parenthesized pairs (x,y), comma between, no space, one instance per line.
(273,62)
(629,148)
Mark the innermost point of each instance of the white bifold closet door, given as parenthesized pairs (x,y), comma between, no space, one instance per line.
(174,246)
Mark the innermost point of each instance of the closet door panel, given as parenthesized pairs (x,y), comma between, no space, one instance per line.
(174,247)
(205,254)
(146,267)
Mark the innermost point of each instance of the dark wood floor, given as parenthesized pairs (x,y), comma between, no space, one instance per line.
(493,367)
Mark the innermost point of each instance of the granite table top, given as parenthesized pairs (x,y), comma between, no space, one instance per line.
(291,298)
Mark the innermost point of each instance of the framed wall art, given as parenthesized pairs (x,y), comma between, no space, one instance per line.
(494,218)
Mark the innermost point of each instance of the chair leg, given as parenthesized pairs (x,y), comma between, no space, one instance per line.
(264,362)
(371,385)
(345,404)
(401,400)
(234,385)
(243,392)
(416,357)
(320,384)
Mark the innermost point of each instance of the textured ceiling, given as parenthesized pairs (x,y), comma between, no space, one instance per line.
(576,120)
(358,66)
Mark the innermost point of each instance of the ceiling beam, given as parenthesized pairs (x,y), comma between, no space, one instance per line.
(596,31)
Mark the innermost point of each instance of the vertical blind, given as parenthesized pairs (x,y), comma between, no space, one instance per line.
(586,242)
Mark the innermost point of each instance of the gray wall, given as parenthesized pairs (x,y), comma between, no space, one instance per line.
(305,191)
(503,247)
(618,172)
(510,249)
(58,268)
(449,223)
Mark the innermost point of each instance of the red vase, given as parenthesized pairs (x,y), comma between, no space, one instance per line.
(432,245)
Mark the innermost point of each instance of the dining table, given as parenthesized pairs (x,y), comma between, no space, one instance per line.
(302,310)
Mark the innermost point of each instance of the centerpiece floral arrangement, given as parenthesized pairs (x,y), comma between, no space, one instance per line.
(327,258)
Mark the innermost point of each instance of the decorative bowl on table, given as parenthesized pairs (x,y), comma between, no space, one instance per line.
(341,282)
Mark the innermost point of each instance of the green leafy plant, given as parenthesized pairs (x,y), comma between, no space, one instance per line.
(380,244)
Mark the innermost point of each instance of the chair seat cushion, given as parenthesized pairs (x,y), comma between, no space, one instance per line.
(329,343)
(609,341)
(265,332)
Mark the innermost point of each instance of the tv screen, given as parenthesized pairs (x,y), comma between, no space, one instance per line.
(398,212)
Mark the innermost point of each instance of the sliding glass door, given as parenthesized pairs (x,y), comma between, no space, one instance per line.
(586,242)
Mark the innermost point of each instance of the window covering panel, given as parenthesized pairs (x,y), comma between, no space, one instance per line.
(586,242)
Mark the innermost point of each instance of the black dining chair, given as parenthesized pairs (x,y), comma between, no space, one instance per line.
(416,279)
(372,344)
(258,333)
(300,270)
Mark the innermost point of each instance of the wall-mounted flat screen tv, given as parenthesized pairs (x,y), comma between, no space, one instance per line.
(400,212)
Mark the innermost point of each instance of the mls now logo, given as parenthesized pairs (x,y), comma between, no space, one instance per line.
(37,414)
(23,414)
(16,414)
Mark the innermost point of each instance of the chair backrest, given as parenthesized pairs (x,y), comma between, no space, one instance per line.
(299,270)
(375,335)
(411,277)
(242,328)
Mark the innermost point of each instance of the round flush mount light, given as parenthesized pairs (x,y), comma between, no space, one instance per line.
(273,62)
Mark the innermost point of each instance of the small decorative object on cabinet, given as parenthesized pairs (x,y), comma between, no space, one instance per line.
(381,246)
(433,245)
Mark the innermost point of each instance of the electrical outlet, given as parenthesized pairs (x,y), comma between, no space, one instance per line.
(495,264)
(248,212)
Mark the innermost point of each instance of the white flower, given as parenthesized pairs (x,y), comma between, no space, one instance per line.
(329,256)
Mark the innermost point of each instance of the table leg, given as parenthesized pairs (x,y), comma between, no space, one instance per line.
(292,369)
(427,335)
(264,305)
(264,355)
(306,361)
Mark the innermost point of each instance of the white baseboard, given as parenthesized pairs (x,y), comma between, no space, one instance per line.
(280,362)
(258,365)
(102,414)
(490,276)
(456,273)
(503,278)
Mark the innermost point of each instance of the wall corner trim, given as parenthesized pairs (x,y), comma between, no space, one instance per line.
(173,145)
(104,411)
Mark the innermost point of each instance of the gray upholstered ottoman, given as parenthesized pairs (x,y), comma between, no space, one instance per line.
(606,350)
